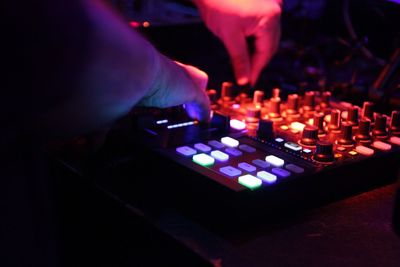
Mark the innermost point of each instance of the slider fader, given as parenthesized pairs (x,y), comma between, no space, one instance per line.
(259,154)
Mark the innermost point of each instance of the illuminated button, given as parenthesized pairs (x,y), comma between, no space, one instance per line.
(247,167)
(261,163)
(293,146)
(229,141)
(203,159)
(202,147)
(233,151)
(366,151)
(382,145)
(247,148)
(307,151)
(237,125)
(249,181)
(279,140)
(281,172)
(162,121)
(267,177)
(215,144)
(284,127)
(186,151)
(297,126)
(220,156)
(340,148)
(273,160)
(294,168)
(395,140)
(353,153)
(230,171)
(337,155)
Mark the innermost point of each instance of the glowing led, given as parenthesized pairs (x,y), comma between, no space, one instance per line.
(284,127)
(235,106)
(353,153)
(297,126)
(293,146)
(162,121)
(237,124)
(381,145)
(186,151)
(279,140)
(146,24)
(229,141)
(203,159)
(218,155)
(249,181)
(366,151)
(178,125)
(395,140)
(275,161)
(307,151)
(267,177)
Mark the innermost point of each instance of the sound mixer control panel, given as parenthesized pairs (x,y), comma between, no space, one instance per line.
(254,144)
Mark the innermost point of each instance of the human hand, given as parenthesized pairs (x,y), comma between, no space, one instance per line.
(176,84)
(234,20)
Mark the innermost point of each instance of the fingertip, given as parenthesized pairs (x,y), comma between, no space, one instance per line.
(242,80)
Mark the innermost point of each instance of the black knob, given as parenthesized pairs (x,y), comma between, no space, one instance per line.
(212,95)
(221,121)
(276,92)
(309,136)
(274,108)
(352,115)
(309,101)
(292,104)
(319,122)
(253,114)
(334,123)
(324,151)
(346,135)
(395,123)
(325,100)
(265,129)
(380,126)
(364,128)
(367,111)
(258,97)
(227,91)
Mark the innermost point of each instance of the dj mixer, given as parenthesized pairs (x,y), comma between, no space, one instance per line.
(259,155)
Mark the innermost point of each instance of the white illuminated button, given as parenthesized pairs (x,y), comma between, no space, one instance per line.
(275,161)
(203,159)
(267,177)
(237,124)
(186,151)
(218,155)
(293,146)
(298,126)
(382,145)
(366,151)
(229,141)
(249,181)
(395,140)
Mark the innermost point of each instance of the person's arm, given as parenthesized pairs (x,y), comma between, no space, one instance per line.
(232,21)
(118,69)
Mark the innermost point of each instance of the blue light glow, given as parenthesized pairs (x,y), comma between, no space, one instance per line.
(162,121)
(179,125)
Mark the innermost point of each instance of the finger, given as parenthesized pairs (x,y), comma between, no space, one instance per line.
(266,44)
(199,108)
(236,45)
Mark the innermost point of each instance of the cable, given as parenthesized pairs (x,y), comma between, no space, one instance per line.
(354,36)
